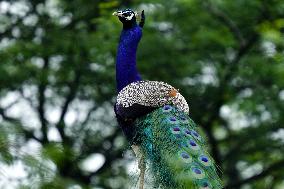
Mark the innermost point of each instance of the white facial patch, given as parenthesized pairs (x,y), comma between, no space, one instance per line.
(128,14)
(129,17)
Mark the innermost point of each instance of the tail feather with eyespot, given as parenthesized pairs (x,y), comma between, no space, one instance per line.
(175,151)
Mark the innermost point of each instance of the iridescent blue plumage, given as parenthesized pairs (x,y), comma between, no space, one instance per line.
(126,71)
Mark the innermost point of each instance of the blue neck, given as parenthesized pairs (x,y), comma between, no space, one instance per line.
(126,71)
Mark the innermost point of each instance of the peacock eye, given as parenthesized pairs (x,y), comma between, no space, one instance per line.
(126,14)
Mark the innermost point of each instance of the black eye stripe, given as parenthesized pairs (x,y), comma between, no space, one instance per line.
(127,12)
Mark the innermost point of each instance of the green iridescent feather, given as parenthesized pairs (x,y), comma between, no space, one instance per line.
(175,151)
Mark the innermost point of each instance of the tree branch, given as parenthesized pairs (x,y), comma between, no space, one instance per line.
(227,21)
(41,100)
(28,134)
(94,108)
(73,87)
(69,98)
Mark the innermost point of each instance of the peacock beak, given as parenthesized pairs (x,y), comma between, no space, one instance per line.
(117,13)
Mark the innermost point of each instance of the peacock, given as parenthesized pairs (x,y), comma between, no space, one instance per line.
(154,117)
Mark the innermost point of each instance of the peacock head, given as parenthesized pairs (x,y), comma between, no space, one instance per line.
(127,17)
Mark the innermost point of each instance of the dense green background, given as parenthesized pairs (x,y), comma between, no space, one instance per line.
(57,60)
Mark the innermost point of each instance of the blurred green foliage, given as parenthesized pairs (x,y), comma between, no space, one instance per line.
(57,86)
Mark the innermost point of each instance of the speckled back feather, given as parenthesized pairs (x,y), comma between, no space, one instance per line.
(175,151)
